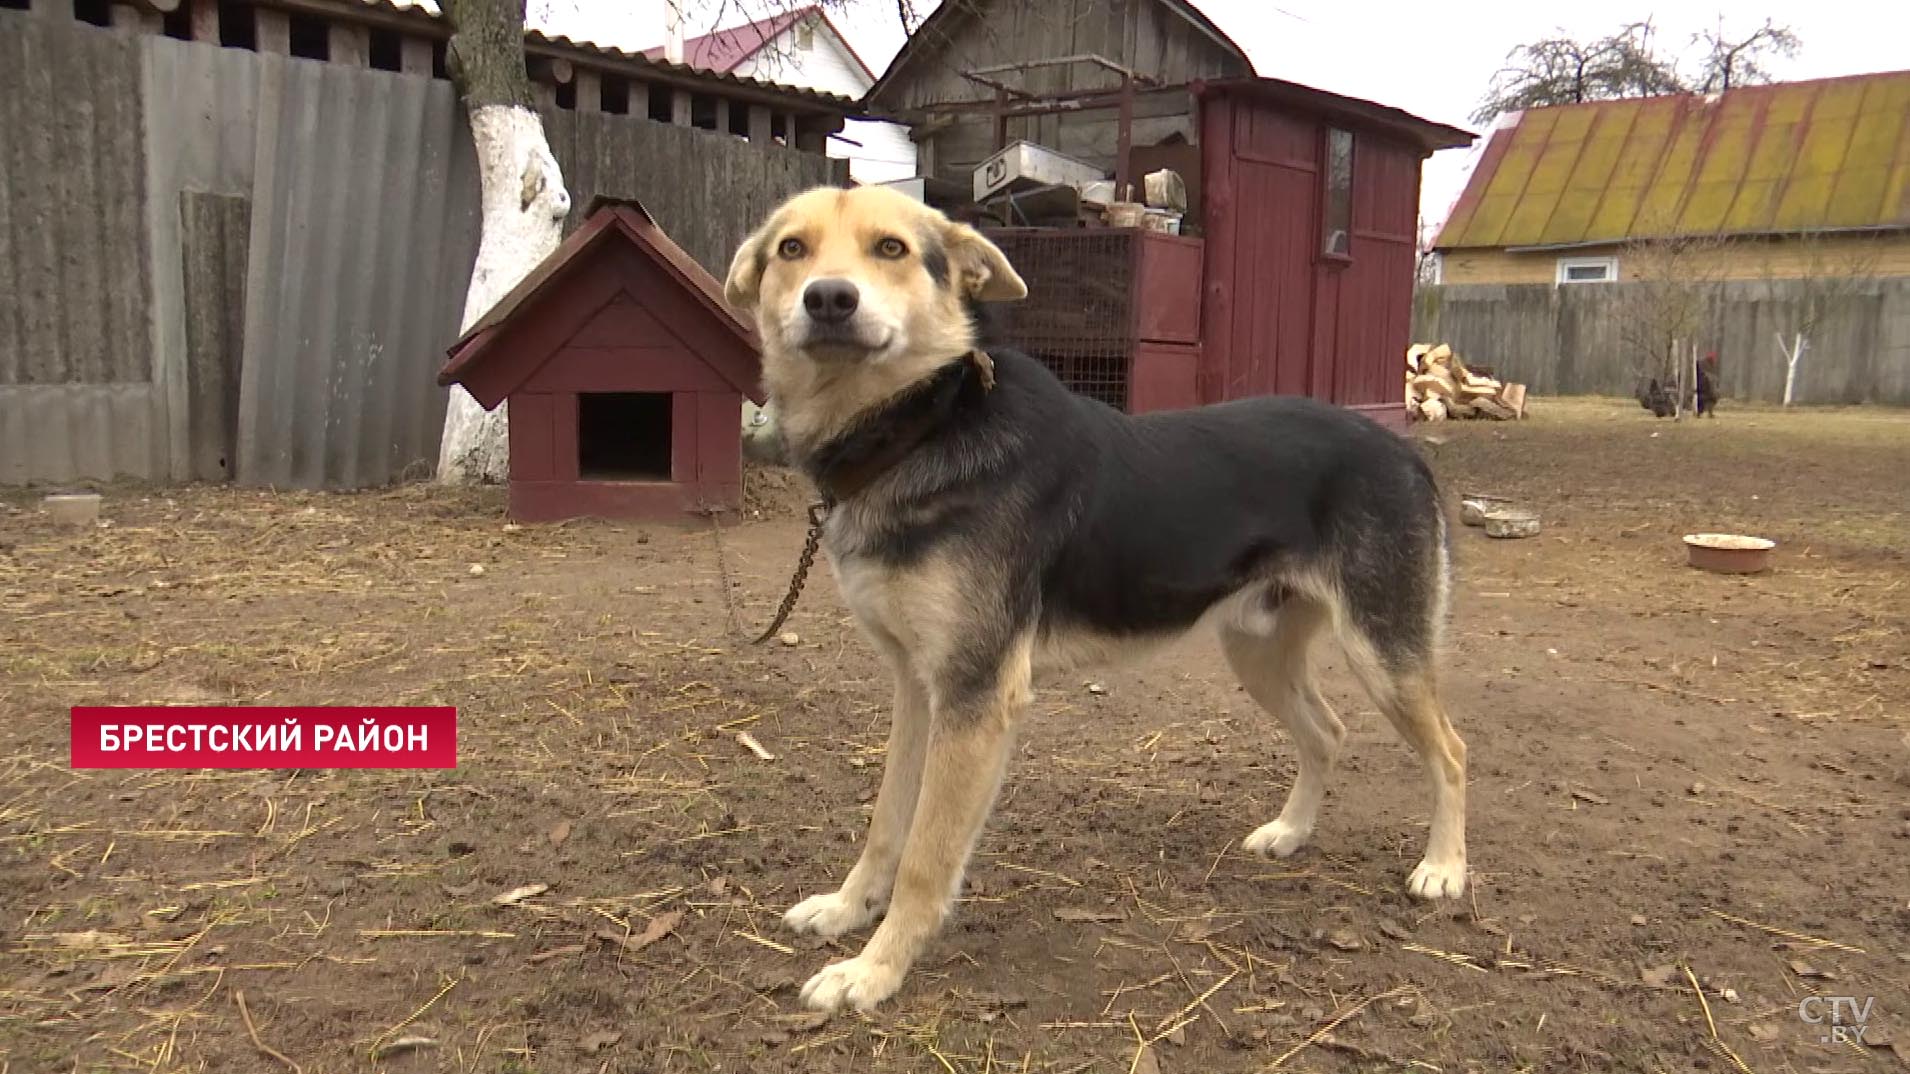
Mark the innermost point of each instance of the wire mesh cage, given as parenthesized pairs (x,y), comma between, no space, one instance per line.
(1078,318)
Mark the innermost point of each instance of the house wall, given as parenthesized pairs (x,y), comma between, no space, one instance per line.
(151,188)
(882,151)
(1574,340)
(1867,255)
(1145,35)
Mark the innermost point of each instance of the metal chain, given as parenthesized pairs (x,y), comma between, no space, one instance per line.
(723,573)
(818,514)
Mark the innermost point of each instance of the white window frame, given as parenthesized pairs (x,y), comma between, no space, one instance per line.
(1567,264)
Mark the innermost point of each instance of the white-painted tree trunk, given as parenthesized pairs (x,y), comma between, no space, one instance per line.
(523,208)
(1793,353)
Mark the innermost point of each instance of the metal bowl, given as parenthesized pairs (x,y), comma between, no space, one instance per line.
(1473,507)
(1509,523)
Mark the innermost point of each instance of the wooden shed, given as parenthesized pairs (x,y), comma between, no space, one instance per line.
(1293,270)
(624,373)
(1311,214)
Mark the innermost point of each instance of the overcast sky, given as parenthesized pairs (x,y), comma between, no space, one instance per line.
(1432,59)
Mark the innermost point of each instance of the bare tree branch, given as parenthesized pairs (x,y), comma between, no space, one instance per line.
(1562,70)
(1665,306)
(1730,61)
(1811,280)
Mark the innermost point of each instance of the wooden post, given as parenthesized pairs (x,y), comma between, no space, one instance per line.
(350,44)
(414,55)
(1124,146)
(722,115)
(590,92)
(205,21)
(759,124)
(680,107)
(812,135)
(274,31)
(545,96)
(1001,119)
(639,99)
(789,129)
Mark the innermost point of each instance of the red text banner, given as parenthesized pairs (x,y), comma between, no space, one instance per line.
(170,736)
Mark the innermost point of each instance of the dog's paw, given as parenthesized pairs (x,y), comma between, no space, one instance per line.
(1278,839)
(830,915)
(858,982)
(1442,880)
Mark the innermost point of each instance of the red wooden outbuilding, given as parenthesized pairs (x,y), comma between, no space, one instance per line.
(1311,217)
(1300,281)
(624,373)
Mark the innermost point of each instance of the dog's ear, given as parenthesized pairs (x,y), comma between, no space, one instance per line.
(744,284)
(982,271)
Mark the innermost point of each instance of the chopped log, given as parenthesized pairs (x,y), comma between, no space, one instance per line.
(1459,411)
(1435,384)
(1492,408)
(1514,399)
(1440,354)
(1433,410)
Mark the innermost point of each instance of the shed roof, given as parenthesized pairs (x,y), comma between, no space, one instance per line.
(937,28)
(1426,133)
(1825,155)
(608,219)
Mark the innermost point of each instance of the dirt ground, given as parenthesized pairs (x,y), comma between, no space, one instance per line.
(1690,797)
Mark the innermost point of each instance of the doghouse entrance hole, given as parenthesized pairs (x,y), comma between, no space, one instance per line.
(624,436)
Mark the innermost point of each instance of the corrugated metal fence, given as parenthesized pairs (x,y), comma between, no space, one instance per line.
(219,264)
(1574,341)
(76,365)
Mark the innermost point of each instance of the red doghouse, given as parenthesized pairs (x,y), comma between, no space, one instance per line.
(625,375)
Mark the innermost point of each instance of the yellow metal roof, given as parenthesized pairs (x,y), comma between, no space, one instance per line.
(1796,156)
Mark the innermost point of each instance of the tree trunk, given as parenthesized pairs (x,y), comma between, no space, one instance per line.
(1793,356)
(523,204)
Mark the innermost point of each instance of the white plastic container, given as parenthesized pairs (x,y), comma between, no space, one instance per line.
(1025,164)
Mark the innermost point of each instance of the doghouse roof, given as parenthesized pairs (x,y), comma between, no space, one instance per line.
(608,221)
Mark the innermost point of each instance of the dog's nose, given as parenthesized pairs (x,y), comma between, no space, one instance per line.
(831,301)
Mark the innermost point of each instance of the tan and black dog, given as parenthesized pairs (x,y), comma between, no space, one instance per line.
(987,523)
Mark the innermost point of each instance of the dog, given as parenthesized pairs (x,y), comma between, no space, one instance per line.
(983,521)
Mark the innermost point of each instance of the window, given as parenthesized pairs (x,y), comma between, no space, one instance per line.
(387,50)
(1588,269)
(238,25)
(624,436)
(311,38)
(1337,240)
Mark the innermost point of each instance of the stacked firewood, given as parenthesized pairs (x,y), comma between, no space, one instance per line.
(1439,386)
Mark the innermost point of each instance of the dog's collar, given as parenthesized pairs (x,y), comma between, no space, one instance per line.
(847,465)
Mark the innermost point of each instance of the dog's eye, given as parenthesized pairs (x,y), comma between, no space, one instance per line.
(891,248)
(791,249)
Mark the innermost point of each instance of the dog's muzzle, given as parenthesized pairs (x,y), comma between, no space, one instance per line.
(830,325)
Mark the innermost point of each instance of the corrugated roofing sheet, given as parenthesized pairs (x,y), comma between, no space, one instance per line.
(722,50)
(425,12)
(1831,154)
